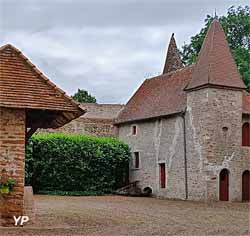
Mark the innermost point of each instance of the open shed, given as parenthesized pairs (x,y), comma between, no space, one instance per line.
(28,101)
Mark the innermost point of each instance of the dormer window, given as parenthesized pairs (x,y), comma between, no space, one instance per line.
(134,130)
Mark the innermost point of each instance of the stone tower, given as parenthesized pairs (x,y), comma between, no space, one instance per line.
(214,119)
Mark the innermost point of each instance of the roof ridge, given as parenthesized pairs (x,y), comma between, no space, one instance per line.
(211,49)
(41,75)
(172,72)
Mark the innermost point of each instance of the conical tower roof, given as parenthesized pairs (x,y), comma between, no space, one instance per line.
(173,60)
(215,65)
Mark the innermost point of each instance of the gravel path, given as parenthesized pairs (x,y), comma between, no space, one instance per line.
(118,216)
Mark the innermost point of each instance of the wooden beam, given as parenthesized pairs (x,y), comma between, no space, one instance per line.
(29,133)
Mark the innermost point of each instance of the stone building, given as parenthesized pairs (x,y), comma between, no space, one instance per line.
(28,101)
(188,128)
(97,121)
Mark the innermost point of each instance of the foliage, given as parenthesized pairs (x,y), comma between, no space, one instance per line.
(6,184)
(83,96)
(236,25)
(76,164)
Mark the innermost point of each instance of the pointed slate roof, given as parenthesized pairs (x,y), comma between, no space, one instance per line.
(22,85)
(173,60)
(215,65)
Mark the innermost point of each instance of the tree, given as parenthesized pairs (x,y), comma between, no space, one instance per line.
(83,96)
(236,24)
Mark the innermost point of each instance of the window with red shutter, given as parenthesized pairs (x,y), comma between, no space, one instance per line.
(163,175)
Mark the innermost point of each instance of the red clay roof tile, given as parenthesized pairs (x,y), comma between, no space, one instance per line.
(159,96)
(215,64)
(22,85)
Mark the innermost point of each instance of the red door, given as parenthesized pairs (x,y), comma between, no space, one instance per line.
(163,175)
(246,134)
(224,185)
(246,186)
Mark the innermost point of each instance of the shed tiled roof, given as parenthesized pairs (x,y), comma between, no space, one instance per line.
(215,64)
(159,96)
(22,85)
(246,102)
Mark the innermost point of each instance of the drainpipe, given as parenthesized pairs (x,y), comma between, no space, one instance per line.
(185,153)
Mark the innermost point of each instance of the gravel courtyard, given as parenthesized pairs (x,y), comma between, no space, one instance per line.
(117,216)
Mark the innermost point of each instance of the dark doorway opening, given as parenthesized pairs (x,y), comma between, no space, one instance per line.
(224,185)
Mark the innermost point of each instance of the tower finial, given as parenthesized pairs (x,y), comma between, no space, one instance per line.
(215,15)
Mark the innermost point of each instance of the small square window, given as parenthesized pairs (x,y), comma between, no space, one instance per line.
(134,130)
(136,160)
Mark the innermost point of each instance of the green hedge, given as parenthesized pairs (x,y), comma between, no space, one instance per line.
(76,164)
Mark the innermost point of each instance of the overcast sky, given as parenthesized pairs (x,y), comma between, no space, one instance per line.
(108,47)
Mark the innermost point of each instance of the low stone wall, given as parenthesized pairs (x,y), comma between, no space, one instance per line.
(88,126)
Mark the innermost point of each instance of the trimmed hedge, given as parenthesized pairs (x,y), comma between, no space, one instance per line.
(76,164)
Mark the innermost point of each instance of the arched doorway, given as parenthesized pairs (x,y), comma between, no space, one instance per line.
(224,185)
(246,185)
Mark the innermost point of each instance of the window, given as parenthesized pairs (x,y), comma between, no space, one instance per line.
(246,134)
(162,175)
(136,160)
(134,130)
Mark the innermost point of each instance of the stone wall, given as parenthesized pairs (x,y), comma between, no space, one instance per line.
(214,131)
(92,127)
(97,121)
(12,155)
(159,141)
(214,142)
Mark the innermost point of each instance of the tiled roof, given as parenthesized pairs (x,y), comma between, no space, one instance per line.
(246,102)
(166,94)
(173,60)
(159,96)
(22,85)
(215,64)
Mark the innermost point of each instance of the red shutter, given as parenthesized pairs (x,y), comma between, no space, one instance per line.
(246,185)
(163,175)
(224,185)
(246,134)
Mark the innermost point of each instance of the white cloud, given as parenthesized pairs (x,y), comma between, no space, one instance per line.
(106,47)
